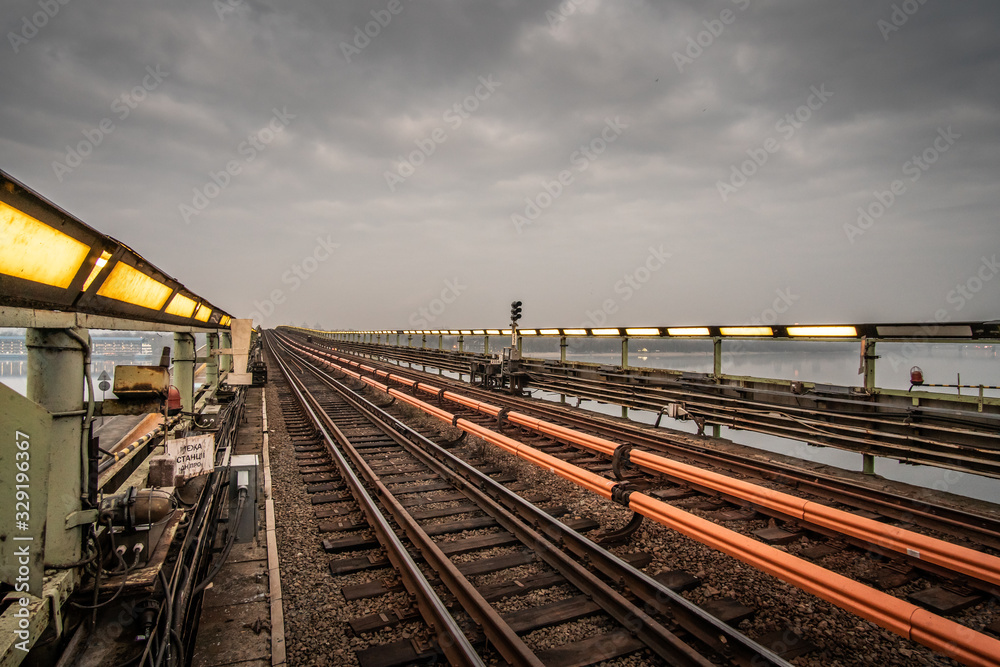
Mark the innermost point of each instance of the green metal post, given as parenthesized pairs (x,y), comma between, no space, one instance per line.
(625,365)
(184,358)
(868,369)
(562,360)
(212,361)
(440,347)
(868,365)
(55,382)
(226,342)
(486,345)
(717,357)
(461,343)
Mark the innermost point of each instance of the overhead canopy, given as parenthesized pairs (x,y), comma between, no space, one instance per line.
(51,260)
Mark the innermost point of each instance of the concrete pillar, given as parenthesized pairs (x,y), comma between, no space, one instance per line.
(212,360)
(226,360)
(184,358)
(55,381)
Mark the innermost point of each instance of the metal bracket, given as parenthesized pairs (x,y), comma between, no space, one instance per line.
(620,493)
(80,518)
(620,460)
(502,417)
(623,533)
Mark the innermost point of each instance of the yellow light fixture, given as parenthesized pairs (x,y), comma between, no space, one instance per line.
(181,306)
(575,332)
(34,251)
(548,332)
(493,332)
(527,332)
(507,332)
(479,332)
(642,332)
(453,333)
(204,312)
(102,261)
(747,331)
(605,332)
(827,332)
(225,321)
(131,285)
(688,331)
(467,333)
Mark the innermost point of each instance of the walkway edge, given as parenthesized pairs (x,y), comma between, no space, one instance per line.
(273,571)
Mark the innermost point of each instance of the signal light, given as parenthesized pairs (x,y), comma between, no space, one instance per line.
(515,311)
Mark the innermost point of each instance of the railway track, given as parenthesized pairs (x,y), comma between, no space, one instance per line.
(950,591)
(467,549)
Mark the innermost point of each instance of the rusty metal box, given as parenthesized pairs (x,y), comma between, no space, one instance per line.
(141,381)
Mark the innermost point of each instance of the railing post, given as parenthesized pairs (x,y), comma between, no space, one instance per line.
(562,360)
(624,366)
(486,345)
(717,357)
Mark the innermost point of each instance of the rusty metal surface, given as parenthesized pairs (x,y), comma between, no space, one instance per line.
(141,381)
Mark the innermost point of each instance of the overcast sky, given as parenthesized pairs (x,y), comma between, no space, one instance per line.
(402,164)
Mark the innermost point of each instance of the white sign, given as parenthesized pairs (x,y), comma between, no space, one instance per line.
(194,456)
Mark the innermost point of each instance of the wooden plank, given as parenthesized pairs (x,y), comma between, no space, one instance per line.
(554,613)
(592,650)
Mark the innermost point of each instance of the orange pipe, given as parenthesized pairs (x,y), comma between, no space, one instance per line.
(957,558)
(901,617)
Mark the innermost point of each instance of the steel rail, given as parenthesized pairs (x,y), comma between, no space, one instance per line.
(509,645)
(937,517)
(903,618)
(498,501)
(450,637)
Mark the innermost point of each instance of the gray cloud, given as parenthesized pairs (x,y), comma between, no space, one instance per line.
(324,174)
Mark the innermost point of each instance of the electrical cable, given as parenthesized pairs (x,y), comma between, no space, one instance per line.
(243,493)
